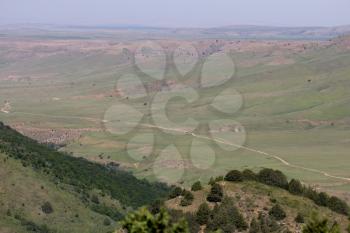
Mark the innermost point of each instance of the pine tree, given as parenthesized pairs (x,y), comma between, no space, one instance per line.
(203,214)
(211,181)
(196,186)
(216,193)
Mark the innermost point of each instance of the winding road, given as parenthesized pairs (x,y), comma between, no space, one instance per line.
(218,140)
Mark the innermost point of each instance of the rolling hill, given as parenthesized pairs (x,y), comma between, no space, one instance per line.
(43,190)
(39,194)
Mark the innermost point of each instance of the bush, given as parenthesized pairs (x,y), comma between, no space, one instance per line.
(234,176)
(320,226)
(322,199)
(217,189)
(187,198)
(299,218)
(194,227)
(277,212)
(338,205)
(226,217)
(215,194)
(47,208)
(142,221)
(203,214)
(155,206)
(185,202)
(214,198)
(196,186)
(219,178)
(295,187)
(249,175)
(175,192)
(310,193)
(273,177)
(268,224)
(211,181)
(178,216)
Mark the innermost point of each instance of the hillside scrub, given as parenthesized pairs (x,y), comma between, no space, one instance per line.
(316,225)
(278,179)
(142,221)
(78,172)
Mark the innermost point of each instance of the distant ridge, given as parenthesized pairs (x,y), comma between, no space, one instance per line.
(228,32)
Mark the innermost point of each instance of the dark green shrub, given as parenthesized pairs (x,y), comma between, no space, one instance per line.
(216,193)
(316,225)
(219,178)
(47,208)
(273,177)
(249,175)
(277,212)
(214,198)
(178,216)
(187,198)
(234,176)
(295,187)
(196,186)
(338,205)
(211,181)
(175,192)
(299,218)
(95,199)
(142,221)
(268,224)
(203,214)
(322,199)
(155,206)
(226,217)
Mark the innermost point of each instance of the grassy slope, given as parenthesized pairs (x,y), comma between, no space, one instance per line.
(23,192)
(34,174)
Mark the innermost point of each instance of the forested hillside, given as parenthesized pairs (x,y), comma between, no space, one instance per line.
(40,185)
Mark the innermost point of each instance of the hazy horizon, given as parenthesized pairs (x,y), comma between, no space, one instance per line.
(182,13)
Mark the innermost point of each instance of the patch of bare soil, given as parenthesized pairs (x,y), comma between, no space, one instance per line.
(54,136)
(316,123)
(174,164)
(6,107)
